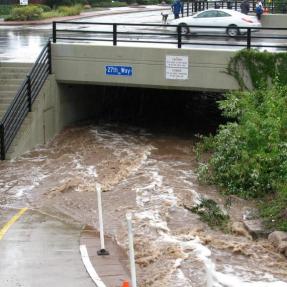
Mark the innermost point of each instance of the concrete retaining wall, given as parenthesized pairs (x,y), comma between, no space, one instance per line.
(274,20)
(41,124)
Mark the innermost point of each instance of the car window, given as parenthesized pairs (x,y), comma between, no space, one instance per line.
(207,14)
(222,14)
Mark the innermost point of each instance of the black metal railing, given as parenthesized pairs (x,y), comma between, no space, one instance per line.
(22,103)
(187,35)
(191,7)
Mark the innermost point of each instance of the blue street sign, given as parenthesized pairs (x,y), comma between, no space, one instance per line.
(125,71)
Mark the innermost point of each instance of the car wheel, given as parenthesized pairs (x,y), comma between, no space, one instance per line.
(232,31)
(184,28)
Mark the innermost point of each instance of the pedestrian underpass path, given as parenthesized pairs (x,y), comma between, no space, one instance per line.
(40,251)
(112,268)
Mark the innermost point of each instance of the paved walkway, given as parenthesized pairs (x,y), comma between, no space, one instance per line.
(38,250)
(89,14)
(112,268)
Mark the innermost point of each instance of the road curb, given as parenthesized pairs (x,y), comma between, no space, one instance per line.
(89,267)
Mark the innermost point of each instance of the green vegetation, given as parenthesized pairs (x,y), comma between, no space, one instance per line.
(107,3)
(263,68)
(209,212)
(24,13)
(274,209)
(37,12)
(248,155)
(5,10)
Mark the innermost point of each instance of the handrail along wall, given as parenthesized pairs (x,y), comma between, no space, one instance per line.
(22,102)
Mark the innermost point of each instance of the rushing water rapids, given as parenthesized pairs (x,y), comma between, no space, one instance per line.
(152,176)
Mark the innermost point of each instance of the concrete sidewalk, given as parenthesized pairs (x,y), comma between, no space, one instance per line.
(105,270)
(89,14)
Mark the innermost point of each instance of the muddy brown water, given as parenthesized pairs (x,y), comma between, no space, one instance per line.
(153,176)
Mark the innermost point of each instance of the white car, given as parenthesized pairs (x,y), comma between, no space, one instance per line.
(230,20)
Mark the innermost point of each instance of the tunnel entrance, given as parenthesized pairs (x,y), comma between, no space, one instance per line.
(177,110)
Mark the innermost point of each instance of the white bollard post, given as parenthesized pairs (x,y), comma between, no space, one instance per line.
(131,248)
(102,251)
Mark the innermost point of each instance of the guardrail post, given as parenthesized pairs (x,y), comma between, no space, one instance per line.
(179,37)
(2,141)
(49,57)
(115,34)
(54,32)
(29,93)
(248,38)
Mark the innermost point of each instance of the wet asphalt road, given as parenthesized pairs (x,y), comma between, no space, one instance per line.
(40,251)
(24,43)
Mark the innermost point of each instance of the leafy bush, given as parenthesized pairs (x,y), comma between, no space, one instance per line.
(57,3)
(250,154)
(130,2)
(5,9)
(70,11)
(51,14)
(275,214)
(148,2)
(45,8)
(24,13)
(107,3)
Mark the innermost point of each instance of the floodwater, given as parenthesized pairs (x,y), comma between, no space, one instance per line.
(152,175)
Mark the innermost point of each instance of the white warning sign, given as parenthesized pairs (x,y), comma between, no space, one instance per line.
(176,67)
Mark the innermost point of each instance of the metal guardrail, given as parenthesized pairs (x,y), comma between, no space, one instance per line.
(166,34)
(191,7)
(22,103)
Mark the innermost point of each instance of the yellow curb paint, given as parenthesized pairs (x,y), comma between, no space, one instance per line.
(6,227)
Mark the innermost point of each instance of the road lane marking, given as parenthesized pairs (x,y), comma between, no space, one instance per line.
(6,227)
(89,267)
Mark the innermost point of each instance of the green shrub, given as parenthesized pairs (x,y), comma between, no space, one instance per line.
(107,3)
(24,13)
(250,154)
(130,2)
(5,9)
(70,11)
(148,2)
(51,14)
(57,3)
(274,209)
(45,8)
